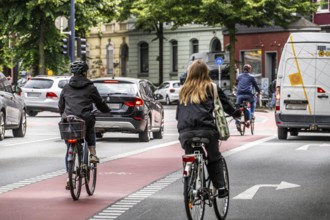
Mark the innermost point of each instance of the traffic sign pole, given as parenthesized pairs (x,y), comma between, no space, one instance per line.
(219,62)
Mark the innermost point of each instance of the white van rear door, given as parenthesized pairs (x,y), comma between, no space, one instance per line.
(322,84)
(298,81)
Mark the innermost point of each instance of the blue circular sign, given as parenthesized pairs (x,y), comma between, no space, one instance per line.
(219,61)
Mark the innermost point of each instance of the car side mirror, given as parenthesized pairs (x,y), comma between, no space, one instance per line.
(158,96)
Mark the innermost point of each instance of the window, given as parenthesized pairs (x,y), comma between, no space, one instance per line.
(174,56)
(323,5)
(194,46)
(144,58)
(253,58)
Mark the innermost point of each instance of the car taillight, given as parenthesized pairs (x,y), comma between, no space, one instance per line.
(277,98)
(51,95)
(136,102)
(320,90)
(172,90)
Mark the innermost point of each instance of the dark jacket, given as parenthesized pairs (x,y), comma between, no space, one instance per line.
(77,98)
(200,117)
(245,83)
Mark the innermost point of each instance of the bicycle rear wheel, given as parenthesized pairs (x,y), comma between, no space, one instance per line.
(242,127)
(75,179)
(221,205)
(90,178)
(194,205)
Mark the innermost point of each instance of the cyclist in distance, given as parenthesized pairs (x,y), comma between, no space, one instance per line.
(245,83)
(195,118)
(77,98)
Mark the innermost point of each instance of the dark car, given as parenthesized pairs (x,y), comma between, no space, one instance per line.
(12,110)
(134,108)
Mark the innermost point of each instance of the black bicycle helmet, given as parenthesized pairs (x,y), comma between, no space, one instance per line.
(78,67)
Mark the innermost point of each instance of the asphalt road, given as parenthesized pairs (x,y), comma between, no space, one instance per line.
(269,179)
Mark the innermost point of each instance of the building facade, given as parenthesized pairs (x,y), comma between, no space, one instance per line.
(322,15)
(118,49)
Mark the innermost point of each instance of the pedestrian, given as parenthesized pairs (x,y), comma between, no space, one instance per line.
(272,91)
(195,118)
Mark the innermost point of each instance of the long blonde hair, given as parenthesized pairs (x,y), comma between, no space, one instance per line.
(196,85)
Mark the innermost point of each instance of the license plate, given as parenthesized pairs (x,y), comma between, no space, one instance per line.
(114,105)
(33,94)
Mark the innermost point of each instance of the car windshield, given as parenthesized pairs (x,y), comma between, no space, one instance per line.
(116,88)
(39,84)
(176,85)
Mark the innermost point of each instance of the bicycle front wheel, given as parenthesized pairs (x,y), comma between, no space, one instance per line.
(221,205)
(194,205)
(75,178)
(252,125)
(90,178)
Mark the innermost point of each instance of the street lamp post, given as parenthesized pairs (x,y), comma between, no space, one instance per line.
(73,35)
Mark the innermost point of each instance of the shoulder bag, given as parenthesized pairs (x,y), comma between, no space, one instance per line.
(219,115)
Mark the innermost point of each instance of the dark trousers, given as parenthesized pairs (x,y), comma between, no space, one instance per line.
(214,166)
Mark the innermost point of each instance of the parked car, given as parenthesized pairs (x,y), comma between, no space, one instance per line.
(12,110)
(41,93)
(170,91)
(134,108)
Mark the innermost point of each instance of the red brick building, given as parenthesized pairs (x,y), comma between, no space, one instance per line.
(261,47)
(322,16)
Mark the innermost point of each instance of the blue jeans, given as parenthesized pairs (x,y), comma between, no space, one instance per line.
(250,98)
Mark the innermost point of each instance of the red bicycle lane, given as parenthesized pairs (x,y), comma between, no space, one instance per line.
(118,178)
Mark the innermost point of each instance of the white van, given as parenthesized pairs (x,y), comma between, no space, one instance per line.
(303,85)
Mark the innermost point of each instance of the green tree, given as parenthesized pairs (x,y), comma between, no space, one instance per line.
(150,17)
(259,13)
(36,42)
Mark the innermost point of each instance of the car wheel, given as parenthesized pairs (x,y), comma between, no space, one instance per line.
(168,101)
(2,126)
(145,136)
(282,133)
(160,134)
(99,135)
(31,113)
(21,130)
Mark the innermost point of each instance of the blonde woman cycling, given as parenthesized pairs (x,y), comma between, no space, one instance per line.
(195,118)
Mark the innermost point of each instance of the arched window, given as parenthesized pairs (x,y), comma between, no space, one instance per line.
(174,51)
(144,57)
(215,45)
(110,50)
(194,45)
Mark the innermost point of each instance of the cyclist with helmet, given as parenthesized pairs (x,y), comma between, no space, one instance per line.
(77,98)
(245,84)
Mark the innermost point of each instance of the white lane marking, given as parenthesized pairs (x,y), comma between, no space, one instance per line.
(250,193)
(29,142)
(246,146)
(305,147)
(115,210)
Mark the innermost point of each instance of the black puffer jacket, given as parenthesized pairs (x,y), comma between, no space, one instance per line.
(77,98)
(200,117)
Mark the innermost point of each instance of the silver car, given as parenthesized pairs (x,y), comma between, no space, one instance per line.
(170,91)
(41,93)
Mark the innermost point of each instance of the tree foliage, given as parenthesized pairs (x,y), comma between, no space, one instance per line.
(230,13)
(29,35)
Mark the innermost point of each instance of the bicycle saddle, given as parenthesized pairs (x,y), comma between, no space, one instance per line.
(200,140)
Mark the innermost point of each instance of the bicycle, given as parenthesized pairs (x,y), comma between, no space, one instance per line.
(79,167)
(246,120)
(198,188)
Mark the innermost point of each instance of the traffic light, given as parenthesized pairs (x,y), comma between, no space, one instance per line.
(66,46)
(81,47)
